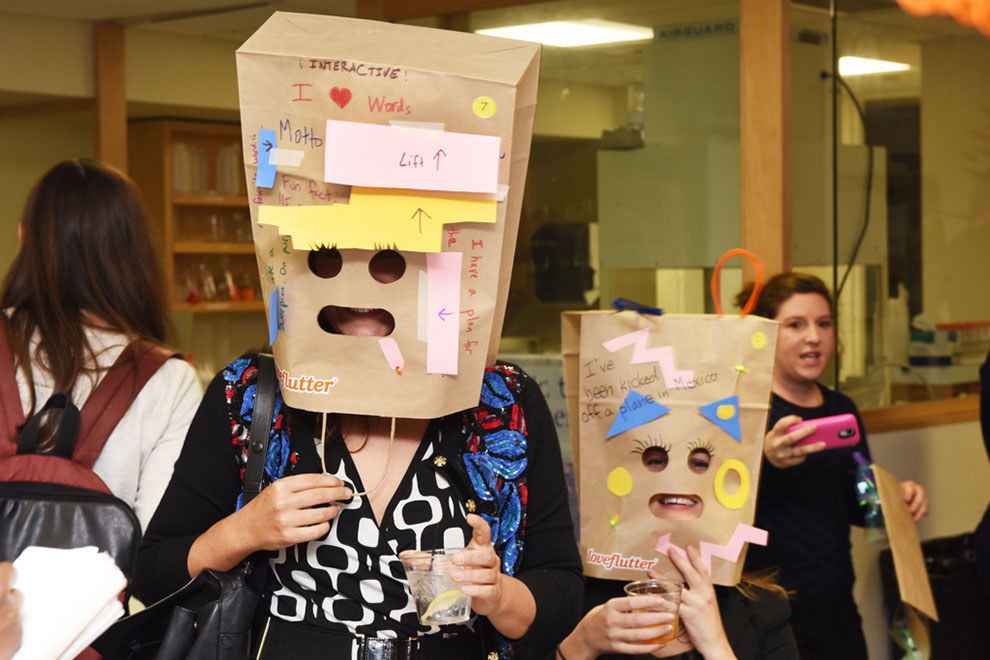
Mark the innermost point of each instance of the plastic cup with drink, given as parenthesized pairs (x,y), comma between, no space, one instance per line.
(670,592)
(439,599)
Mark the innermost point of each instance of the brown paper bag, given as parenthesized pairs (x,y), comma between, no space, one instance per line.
(652,399)
(299,71)
(909,562)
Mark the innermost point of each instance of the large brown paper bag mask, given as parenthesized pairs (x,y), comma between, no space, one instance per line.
(363,139)
(671,412)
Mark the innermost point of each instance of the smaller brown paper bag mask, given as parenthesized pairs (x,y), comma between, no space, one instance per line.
(367,142)
(671,412)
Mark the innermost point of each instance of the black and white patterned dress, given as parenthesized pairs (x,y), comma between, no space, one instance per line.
(352,580)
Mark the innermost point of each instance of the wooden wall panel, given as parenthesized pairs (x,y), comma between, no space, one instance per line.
(765,136)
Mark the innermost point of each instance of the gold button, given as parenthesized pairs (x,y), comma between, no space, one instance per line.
(470,506)
(493,655)
(440,461)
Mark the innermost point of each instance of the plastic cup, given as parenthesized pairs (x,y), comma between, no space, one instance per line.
(671,594)
(439,600)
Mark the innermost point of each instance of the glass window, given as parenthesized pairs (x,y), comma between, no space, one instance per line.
(633,182)
(913,218)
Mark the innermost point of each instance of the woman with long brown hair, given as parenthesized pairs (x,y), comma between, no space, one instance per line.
(808,495)
(84,285)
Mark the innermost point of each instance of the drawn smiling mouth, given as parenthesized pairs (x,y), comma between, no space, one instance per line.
(672,506)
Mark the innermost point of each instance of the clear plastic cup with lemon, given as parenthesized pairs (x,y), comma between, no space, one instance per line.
(439,600)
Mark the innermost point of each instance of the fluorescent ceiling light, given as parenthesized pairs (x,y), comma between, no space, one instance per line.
(568,34)
(858,66)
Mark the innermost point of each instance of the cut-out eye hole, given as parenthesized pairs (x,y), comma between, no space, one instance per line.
(325,262)
(699,460)
(387,266)
(655,459)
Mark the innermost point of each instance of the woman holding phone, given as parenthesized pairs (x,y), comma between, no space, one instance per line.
(808,497)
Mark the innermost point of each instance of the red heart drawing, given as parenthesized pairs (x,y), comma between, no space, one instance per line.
(340,95)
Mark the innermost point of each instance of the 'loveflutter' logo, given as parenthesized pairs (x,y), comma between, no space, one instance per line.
(306,383)
(618,560)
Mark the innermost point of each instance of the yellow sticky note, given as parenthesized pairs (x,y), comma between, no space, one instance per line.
(377,218)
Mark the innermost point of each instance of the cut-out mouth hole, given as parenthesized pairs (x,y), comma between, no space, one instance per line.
(671,506)
(356,321)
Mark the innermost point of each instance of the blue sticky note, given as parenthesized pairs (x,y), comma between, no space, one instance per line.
(266,170)
(635,411)
(724,414)
(272,317)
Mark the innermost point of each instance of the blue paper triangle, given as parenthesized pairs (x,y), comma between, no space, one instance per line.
(730,425)
(635,411)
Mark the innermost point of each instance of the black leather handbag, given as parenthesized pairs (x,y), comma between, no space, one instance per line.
(211,617)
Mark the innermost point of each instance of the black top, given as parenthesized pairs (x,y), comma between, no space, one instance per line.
(757,628)
(808,509)
(351,579)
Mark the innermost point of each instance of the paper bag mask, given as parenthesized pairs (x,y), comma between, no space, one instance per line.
(362,140)
(671,412)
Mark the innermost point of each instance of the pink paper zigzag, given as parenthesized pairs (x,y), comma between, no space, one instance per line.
(662,355)
(730,551)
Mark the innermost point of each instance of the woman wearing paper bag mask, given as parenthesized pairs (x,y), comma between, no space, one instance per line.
(335,571)
(808,496)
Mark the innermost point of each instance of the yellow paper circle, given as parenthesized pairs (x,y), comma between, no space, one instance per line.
(759,340)
(619,482)
(738,498)
(725,411)
(483,106)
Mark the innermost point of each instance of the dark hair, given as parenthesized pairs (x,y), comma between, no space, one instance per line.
(779,288)
(85,259)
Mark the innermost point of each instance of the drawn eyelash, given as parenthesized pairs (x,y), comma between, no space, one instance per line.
(698,444)
(642,446)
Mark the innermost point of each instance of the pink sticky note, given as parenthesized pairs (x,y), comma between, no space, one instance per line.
(662,355)
(375,156)
(443,271)
(392,353)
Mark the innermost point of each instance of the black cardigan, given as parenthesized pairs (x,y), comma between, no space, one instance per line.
(206,483)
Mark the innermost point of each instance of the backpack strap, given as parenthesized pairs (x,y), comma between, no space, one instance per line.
(68,428)
(11,410)
(261,426)
(108,403)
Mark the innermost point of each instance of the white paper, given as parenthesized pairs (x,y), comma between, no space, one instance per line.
(70,598)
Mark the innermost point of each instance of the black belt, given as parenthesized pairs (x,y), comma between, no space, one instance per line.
(300,641)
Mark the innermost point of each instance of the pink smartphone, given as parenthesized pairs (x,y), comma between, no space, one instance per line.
(836,431)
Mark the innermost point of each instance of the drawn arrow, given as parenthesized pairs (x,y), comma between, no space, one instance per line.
(418,215)
(267,145)
(436,157)
(443,312)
